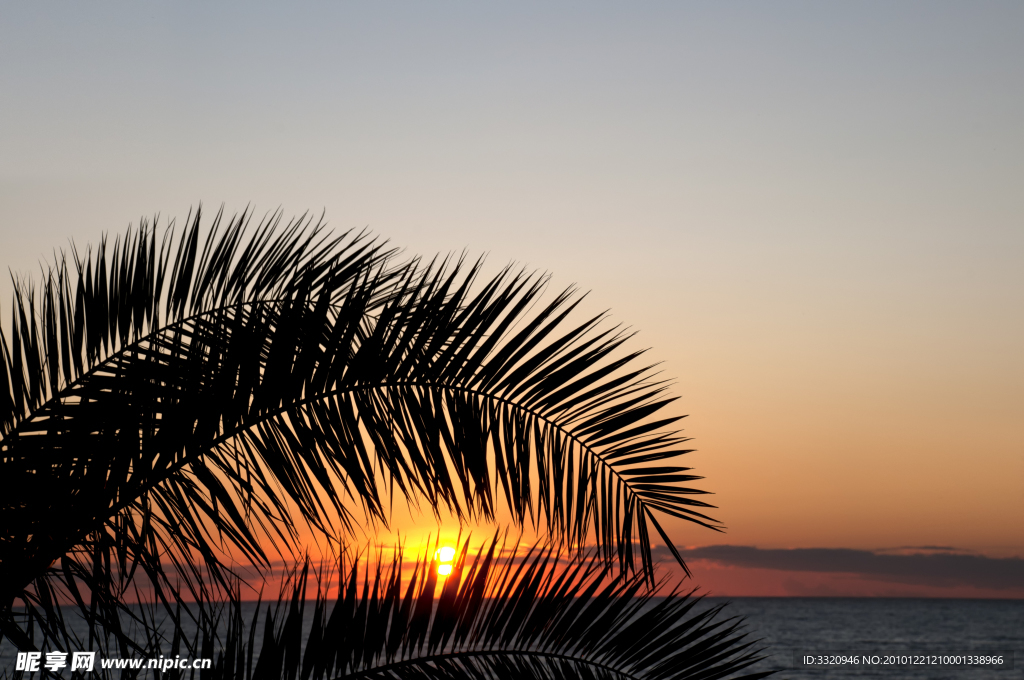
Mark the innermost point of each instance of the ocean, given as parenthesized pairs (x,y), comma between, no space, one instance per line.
(838,638)
(887,638)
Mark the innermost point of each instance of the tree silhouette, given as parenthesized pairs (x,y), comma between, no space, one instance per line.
(173,401)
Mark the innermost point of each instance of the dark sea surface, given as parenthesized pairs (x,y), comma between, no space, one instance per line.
(861,637)
(925,630)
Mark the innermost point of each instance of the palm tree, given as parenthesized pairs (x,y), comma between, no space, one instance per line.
(175,401)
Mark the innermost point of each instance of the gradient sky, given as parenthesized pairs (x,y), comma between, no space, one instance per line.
(812,212)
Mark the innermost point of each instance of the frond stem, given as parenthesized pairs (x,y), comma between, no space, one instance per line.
(427,385)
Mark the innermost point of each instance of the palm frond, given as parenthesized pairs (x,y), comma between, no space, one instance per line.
(496,616)
(170,402)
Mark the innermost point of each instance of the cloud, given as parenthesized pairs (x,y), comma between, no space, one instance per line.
(939,566)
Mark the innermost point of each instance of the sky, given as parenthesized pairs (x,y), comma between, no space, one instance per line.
(812,213)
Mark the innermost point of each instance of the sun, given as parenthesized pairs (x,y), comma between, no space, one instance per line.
(444,557)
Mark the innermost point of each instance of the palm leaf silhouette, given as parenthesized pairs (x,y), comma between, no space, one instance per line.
(499,615)
(169,400)
(116,382)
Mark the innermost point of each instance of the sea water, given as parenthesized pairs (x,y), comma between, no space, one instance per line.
(837,638)
(886,638)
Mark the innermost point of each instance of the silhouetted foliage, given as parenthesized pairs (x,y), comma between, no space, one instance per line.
(172,397)
(497,615)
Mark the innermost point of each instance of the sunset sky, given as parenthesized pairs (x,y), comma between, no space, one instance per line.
(813,213)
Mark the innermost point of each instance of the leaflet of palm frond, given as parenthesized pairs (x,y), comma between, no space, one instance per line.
(497,616)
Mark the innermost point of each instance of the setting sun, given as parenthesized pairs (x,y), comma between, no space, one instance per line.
(444,557)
